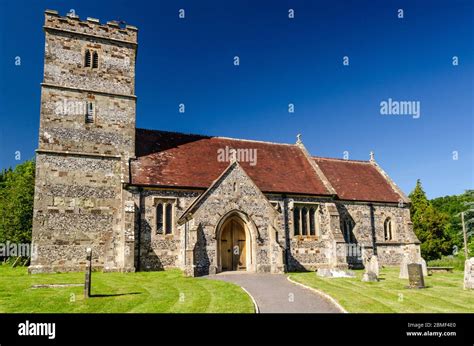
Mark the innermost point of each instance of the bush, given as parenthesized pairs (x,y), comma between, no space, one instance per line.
(448,261)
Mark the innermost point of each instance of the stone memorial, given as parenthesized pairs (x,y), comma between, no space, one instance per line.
(469,274)
(335,273)
(415,276)
(371,269)
(404,269)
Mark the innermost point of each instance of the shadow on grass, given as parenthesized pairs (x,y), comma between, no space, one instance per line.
(113,295)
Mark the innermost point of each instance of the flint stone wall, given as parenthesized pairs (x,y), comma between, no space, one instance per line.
(161,251)
(77,205)
(369,229)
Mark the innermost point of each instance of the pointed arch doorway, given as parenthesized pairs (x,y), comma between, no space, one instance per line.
(233,246)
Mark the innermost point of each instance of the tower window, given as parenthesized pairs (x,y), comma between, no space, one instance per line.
(95,60)
(87,58)
(90,112)
(91,58)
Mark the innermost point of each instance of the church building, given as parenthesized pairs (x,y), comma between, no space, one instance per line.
(151,200)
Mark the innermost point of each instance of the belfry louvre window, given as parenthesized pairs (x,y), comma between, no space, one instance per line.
(91,58)
(90,110)
(304,220)
(164,217)
(95,60)
(87,58)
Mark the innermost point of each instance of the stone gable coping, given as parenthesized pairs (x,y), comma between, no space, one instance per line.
(392,184)
(188,212)
(316,168)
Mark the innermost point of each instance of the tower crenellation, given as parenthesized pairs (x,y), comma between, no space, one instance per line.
(112,30)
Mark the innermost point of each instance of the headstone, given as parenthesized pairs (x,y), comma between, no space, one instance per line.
(370,277)
(424,268)
(404,269)
(87,285)
(335,273)
(372,265)
(415,276)
(469,274)
(371,269)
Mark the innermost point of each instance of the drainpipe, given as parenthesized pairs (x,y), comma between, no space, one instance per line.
(186,229)
(139,231)
(286,229)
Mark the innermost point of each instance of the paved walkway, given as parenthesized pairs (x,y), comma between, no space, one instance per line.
(274,293)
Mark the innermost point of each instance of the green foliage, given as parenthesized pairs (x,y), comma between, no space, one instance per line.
(430,225)
(453,206)
(16,203)
(449,261)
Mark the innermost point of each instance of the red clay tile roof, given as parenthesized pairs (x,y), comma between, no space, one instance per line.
(182,160)
(357,180)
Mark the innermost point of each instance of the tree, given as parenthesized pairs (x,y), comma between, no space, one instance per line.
(429,225)
(16,203)
(454,206)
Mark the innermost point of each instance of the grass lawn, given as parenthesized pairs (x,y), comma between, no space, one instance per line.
(165,291)
(445,292)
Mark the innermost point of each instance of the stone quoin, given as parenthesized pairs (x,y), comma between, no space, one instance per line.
(151,200)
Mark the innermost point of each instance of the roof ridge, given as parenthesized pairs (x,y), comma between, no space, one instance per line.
(254,140)
(344,160)
(221,137)
(176,132)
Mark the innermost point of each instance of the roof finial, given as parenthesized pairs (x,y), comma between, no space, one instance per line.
(372,156)
(298,139)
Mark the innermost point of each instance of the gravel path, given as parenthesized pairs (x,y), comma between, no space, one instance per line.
(273,293)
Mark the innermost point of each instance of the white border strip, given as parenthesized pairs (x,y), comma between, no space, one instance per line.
(321,293)
(257,310)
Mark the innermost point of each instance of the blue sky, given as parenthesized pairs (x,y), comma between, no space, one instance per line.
(282,61)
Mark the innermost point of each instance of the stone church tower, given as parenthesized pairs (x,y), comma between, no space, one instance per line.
(86,140)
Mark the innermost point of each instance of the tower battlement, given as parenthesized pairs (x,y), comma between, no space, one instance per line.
(71,23)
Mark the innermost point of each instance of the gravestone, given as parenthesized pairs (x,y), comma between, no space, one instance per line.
(370,277)
(469,274)
(404,269)
(335,273)
(87,285)
(371,269)
(415,276)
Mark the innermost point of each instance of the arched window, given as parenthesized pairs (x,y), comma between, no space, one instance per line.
(348,231)
(95,60)
(312,225)
(90,110)
(159,218)
(296,220)
(387,229)
(304,221)
(87,58)
(169,218)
